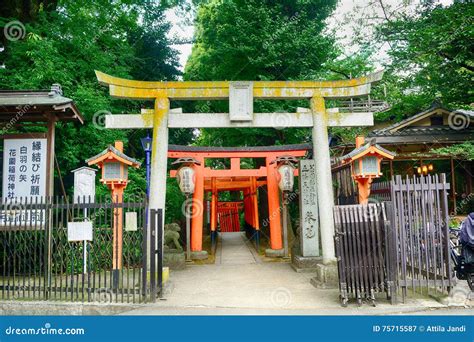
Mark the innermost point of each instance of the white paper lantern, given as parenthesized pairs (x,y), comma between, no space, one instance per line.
(186,179)
(287,177)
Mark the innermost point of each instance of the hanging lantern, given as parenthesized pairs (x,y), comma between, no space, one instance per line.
(185,174)
(286,172)
(287,177)
(185,178)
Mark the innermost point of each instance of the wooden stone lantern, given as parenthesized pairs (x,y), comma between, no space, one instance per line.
(114,165)
(366,162)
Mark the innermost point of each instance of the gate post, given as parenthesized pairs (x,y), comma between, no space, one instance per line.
(323,178)
(274,210)
(159,156)
(197,213)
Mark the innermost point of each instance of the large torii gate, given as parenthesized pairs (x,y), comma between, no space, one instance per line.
(241,95)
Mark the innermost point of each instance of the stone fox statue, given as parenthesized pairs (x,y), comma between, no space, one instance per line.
(172,237)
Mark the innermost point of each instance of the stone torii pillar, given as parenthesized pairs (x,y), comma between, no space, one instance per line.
(241,95)
(159,154)
(323,177)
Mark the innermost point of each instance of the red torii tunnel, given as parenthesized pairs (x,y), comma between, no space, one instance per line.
(213,181)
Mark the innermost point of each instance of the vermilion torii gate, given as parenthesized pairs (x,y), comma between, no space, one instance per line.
(237,179)
(241,95)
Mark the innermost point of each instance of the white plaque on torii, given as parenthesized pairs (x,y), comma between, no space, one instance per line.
(241,101)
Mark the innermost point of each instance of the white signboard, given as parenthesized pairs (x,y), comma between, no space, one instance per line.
(24,168)
(131,221)
(79,231)
(241,101)
(84,184)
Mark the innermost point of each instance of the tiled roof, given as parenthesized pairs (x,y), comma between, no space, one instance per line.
(14,101)
(421,130)
(363,148)
(386,130)
(112,149)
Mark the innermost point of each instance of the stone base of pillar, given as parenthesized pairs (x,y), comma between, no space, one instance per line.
(274,253)
(174,260)
(326,277)
(305,264)
(199,255)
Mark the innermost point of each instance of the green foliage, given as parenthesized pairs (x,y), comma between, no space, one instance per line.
(431,58)
(65,44)
(259,40)
(462,151)
(174,201)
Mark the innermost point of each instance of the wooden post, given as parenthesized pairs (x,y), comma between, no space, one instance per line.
(247,206)
(198,206)
(117,198)
(469,174)
(50,141)
(213,205)
(273,205)
(453,186)
(253,192)
(363,185)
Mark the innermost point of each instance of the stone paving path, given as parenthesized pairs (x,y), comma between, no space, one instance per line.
(240,282)
(234,249)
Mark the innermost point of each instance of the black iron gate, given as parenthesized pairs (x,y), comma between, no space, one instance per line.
(366,252)
(39,262)
(421,220)
(380,249)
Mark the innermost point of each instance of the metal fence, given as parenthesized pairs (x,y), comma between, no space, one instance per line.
(380,191)
(421,219)
(366,252)
(39,262)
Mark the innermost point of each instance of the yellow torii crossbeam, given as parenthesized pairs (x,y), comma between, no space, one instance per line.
(241,95)
(216,90)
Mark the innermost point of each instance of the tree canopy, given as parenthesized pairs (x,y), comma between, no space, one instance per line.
(428,50)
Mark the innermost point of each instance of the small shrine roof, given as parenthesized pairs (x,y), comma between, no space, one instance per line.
(111,149)
(37,105)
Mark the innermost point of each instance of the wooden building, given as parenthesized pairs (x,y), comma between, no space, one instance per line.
(414,141)
(24,111)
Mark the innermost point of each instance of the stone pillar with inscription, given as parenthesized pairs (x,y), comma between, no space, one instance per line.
(306,255)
